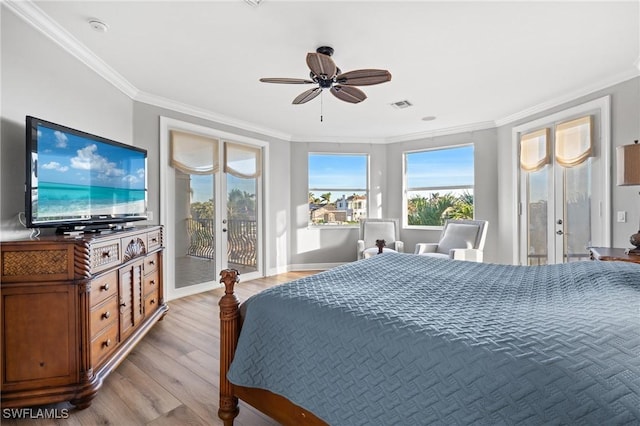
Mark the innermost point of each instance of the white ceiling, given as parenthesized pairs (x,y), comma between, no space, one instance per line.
(471,64)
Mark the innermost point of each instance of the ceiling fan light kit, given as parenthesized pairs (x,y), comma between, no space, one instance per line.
(327,75)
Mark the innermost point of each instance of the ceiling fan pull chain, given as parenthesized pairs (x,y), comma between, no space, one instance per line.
(321,104)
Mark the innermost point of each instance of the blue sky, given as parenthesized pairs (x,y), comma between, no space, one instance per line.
(442,167)
(342,171)
(71,159)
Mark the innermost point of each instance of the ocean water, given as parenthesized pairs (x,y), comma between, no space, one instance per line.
(58,199)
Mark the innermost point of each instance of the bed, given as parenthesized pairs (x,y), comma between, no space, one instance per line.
(407,339)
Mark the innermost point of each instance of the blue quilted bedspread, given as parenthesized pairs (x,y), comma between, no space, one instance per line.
(400,339)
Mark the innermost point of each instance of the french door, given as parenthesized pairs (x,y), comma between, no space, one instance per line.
(212,210)
(564,193)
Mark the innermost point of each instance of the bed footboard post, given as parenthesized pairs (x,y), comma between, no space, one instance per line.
(229,331)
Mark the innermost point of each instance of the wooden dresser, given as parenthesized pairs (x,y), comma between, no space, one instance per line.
(613,254)
(72,308)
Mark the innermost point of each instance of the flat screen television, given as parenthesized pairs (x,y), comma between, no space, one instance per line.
(79,181)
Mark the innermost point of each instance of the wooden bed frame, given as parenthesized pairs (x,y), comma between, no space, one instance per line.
(272,405)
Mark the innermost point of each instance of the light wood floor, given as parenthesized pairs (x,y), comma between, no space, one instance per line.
(171,377)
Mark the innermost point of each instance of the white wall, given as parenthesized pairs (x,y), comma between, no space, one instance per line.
(40,79)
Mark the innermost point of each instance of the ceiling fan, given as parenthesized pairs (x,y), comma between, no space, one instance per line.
(327,75)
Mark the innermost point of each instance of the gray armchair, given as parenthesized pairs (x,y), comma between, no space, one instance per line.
(378,229)
(460,240)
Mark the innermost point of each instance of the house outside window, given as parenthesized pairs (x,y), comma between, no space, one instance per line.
(338,188)
(438,185)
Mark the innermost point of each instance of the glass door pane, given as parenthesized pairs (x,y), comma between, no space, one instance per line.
(578,214)
(195,249)
(242,224)
(537,204)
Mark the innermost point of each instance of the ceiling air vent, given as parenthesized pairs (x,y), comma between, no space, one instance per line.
(401,104)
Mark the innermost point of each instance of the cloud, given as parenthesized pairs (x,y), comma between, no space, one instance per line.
(61,139)
(89,159)
(130,179)
(54,165)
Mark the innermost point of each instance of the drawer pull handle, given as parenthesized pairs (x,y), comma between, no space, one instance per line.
(152,302)
(104,287)
(106,315)
(155,240)
(152,282)
(123,303)
(106,253)
(106,343)
(152,262)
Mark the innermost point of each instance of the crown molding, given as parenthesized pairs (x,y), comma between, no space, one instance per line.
(338,139)
(465,128)
(603,84)
(34,16)
(172,105)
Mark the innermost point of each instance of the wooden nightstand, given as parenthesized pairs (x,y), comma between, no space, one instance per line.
(611,254)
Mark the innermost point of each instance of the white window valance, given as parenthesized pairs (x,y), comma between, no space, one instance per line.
(534,150)
(194,154)
(574,141)
(242,161)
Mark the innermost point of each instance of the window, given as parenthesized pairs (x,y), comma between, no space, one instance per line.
(338,188)
(438,185)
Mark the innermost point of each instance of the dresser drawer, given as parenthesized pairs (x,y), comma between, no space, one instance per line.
(104,314)
(150,303)
(151,263)
(105,255)
(151,282)
(103,287)
(36,262)
(154,240)
(103,344)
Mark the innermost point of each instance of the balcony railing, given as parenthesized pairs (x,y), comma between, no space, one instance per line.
(241,240)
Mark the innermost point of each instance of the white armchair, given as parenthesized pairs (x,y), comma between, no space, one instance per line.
(378,229)
(460,240)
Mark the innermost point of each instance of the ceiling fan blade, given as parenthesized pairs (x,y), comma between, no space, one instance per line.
(322,66)
(286,80)
(307,95)
(348,94)
(365,77)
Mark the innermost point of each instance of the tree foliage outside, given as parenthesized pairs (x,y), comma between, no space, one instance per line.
(240,205)
(435,209)
(203,210)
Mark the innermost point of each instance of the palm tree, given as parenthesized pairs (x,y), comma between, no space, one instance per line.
(326,198)
(241,205)
(433,211)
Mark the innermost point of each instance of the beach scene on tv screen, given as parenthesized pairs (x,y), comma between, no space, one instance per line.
(78,177)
